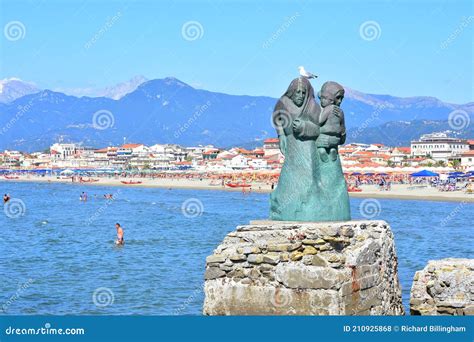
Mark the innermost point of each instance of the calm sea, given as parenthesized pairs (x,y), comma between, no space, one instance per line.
(57,254)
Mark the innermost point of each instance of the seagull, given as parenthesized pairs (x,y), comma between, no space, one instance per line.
(305,73)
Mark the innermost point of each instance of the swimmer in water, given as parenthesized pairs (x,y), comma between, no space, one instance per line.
(83,197)
(119,240)
(6,198)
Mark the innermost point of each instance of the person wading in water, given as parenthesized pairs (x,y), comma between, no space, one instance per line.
(119,240)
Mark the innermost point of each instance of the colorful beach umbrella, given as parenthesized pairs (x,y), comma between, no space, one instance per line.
(424,173)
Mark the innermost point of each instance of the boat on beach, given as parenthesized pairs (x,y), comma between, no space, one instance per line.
(131,182)
(11,177)
(91,180)
(238,185)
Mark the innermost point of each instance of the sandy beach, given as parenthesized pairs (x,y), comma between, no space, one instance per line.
(398,191)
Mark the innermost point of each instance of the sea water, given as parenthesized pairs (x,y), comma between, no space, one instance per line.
(57,253)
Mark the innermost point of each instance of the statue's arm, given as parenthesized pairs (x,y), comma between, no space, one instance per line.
(343,128)
(324,115)
(311,130)
(283,142)
(305,129)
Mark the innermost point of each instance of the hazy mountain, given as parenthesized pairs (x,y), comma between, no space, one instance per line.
(401,133)
(170,111)
(113,92)
(121,89)
(14,88)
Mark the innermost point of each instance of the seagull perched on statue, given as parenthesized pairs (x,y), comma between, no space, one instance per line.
(305,73)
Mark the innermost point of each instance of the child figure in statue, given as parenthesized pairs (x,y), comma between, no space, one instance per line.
(331,120)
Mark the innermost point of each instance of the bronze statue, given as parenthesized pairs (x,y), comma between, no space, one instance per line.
(311,185)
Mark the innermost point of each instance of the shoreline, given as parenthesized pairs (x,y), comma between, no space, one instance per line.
(399,191)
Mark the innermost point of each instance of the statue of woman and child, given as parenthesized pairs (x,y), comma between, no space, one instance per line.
(311,185)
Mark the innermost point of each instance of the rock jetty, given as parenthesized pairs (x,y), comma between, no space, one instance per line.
(444,287)
(304,268)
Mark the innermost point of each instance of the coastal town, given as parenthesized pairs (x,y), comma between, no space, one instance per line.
(436,151)
(434,167)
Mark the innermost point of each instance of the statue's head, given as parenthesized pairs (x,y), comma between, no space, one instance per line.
(298,90)
(331,93)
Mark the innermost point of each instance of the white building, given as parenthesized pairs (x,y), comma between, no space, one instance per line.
(438,146)
(12,158)
(258,163)
(271,146)
(238,162)
(176,152)
(467,160)
(64,151)
(195,153)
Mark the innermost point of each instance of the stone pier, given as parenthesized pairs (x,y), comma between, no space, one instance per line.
(444,287)
(304,268)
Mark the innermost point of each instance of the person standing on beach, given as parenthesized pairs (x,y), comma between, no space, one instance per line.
(119,240)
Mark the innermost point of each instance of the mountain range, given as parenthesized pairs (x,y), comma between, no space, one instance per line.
(14,88)
(171,111)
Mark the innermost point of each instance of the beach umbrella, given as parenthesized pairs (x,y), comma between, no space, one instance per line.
(424,173)
(356,173)
(382,174)
(67,172)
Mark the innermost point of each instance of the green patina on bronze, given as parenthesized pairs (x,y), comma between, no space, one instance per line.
(311,185)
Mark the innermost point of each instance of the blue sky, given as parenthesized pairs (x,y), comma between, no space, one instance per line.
(245,47)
